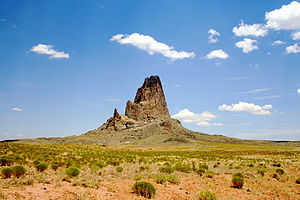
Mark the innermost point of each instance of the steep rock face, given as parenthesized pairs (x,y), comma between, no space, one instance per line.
(149,102)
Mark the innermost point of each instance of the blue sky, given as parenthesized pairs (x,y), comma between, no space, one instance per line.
(227,67)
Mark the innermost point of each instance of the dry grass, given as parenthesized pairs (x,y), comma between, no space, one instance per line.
(144,165)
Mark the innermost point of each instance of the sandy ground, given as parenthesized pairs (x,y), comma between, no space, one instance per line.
(119,188)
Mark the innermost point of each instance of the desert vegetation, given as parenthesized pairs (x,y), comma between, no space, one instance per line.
(97,172)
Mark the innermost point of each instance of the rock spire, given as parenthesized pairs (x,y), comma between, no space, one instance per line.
(149,102)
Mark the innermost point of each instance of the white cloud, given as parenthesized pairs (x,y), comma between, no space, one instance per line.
(48,50)
(217,54)
(298,91)
(200,119)
(213,34)
(247,107)
(269,97)
(177,85)
(17,109)
(285,18)
(247,45)
(267,107)
(255,91)
(296,36)
(278,42)
(256,30)
(292,49)
(2,20)
(149,44)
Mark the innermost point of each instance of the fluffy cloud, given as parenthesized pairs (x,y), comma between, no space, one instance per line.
(217,54)
(250,30)
(213,34)
(298,91)
(267,107)
(247,45)
(296,36)
(149,44)
(48,50)
(278,42)
(200,119)
(247,107)
(292,49)
(17,109)
(285,18)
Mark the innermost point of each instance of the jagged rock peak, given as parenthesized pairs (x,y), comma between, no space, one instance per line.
(149,102)
(116,114)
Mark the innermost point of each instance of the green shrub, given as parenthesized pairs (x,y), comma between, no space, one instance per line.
(203,166)
(113,162)
(18,171)
(36,162)
(280,171)
(239,174)
(167,169)
(200,171)
(251,165)
(276,165)
(41,167)
(173,178)
(54,166)
(298,180)
(119,169)
(72,171)
(6,172)
(237,182)
(206,195)
(144,188)
(142,168)
(210,173)
(182,168)
(100,164)
(160,178)
(5,161)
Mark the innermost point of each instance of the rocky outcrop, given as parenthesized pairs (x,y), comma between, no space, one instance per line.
(146,120)
(149,102)
(118,122)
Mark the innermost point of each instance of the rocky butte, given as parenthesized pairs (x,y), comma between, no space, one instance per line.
(146,121)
